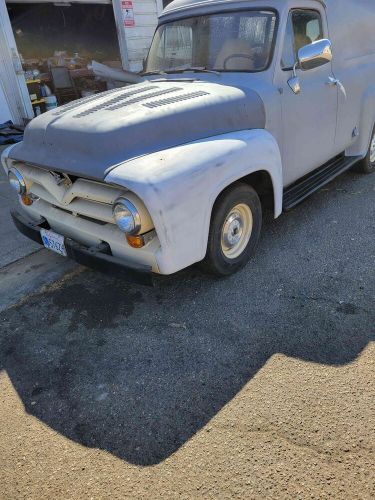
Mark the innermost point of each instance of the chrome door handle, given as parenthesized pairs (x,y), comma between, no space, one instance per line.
(334,82)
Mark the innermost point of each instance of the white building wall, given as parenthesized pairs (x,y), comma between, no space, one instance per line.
(13,84)
(139,36)
(5,113)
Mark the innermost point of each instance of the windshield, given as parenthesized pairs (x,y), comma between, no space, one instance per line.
(230,41)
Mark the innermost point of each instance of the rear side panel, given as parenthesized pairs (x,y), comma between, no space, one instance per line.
(351,26)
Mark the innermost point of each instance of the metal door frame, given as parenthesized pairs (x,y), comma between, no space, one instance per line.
(11,72)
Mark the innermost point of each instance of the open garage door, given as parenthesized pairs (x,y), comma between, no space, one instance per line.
(57,41)
(15,98)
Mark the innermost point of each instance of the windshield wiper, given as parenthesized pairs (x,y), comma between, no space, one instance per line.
(149,73)
(194,69)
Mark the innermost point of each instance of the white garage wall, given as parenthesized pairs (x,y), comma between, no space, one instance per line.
(5,113)
(12,80)
(139,37)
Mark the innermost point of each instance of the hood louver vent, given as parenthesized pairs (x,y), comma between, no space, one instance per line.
(84,100)
(92,146)
(172,100)
(143,98)
(114,101)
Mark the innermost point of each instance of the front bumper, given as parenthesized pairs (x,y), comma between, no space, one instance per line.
(96,257)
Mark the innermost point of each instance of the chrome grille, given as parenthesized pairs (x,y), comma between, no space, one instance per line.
(82,197)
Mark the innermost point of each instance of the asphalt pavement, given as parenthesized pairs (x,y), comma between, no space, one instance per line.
(261,385)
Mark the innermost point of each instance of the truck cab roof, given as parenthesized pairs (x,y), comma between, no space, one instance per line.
(351,22)
(186,4)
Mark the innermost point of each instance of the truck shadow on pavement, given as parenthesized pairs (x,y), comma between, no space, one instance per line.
(138,371)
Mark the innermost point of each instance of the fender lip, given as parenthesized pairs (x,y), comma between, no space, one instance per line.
(4,156)
(98,258)
(180,185)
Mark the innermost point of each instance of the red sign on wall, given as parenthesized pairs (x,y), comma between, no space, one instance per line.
(127,13)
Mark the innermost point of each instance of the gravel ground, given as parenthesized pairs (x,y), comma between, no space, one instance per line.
(258,386)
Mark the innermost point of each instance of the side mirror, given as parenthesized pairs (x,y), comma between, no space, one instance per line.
(309,57)
(314,55)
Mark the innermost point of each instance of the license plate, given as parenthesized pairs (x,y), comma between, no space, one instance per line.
(53,241)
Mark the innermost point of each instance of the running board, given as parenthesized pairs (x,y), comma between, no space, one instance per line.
(300,190)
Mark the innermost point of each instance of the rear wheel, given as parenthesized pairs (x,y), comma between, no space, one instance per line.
(235,228)
(367,165)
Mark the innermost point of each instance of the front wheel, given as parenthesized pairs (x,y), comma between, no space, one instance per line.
(367,165)
(235,229)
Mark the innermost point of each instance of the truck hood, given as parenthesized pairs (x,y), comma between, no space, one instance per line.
(89,137)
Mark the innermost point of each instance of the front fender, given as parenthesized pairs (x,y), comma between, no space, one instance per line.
(179,187)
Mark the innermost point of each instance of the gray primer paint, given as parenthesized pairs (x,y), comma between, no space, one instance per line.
(91,136)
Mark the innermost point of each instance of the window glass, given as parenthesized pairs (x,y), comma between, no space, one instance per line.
(232,41)
(304,27)
(314,29)
(175,43)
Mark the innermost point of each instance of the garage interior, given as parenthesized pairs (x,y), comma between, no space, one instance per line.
(56,42)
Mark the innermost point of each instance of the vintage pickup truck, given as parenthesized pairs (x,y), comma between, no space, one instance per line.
(242,103)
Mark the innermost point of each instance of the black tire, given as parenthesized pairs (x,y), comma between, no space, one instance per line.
(366,166)
(216,262)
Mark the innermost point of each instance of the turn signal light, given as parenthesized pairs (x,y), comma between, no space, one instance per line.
(135,241)
(26,200)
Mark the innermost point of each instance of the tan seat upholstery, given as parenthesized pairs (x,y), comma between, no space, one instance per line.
(230,56)
(302,40)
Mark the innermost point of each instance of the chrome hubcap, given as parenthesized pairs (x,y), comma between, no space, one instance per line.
(236,231)
(372,150)
(233,230)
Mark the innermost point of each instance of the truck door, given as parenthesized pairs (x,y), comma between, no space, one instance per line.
(309,118)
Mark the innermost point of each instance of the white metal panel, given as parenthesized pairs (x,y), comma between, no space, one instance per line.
(137,44)
(139,37)
(117,11)
(11,73)
(144,7)
(142,32)
(159,6)
(5,113)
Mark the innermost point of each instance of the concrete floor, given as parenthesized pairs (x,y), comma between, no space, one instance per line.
(258,386)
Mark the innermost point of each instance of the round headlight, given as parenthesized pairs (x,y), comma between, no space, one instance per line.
(16,181)
(126,216)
